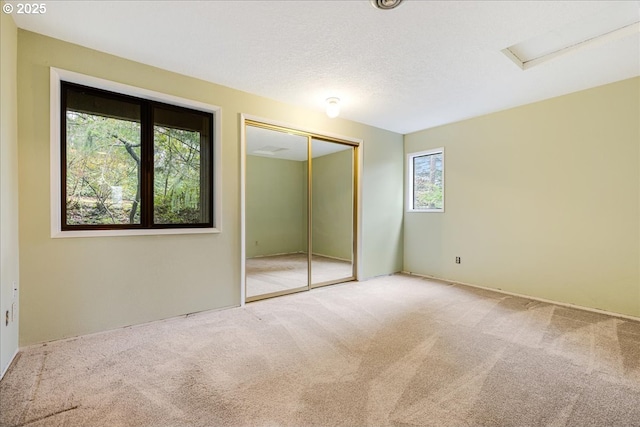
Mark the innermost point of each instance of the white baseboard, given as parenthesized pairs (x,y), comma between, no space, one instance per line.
(332,257)
(6,368)
(303,253)
(515,294)
(278,254)
(136,325)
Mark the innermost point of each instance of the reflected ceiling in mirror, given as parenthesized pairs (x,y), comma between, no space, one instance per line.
(281,145)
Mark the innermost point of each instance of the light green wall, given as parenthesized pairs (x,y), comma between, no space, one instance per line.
(9,265)
(82,285)
(541,200)
(276,202)
(276,219)
(332,211)
(382,202)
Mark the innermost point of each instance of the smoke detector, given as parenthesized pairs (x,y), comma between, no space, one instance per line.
(385,4)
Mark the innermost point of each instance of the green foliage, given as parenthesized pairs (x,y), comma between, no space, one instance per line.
(99,169)
(428,196)
(103,172)
(177,176)
(428,192)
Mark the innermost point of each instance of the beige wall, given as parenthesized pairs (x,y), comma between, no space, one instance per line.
(276,217)
(82,285)
(541,200)
(9,265)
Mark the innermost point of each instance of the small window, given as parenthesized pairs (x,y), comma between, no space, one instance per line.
(425,181)
(133,163)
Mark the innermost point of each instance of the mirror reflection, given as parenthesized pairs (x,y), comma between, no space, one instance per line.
(332,212)
(289,248)
(275,212)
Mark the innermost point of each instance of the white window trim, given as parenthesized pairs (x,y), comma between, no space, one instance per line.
(56,76)
(409,179)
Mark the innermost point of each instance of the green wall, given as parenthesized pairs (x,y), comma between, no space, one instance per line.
(9,262)
(541,200)
(75,286)
(332,211)
(276,215)
(276,205)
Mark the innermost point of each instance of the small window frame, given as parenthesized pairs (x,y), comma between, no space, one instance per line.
(57,77)
(410,179)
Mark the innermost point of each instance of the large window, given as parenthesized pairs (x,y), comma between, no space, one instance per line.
(426,181)
(133,163)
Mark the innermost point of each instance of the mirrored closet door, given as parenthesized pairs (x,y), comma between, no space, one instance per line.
(276,215)
(332,212)
(300,205)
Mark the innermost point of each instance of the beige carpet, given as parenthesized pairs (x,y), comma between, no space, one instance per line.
(394,351)
(278,273)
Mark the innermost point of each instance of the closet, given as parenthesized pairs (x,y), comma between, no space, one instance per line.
(300,210)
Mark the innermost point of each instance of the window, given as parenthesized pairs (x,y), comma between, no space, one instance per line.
(133,163)
(425,181)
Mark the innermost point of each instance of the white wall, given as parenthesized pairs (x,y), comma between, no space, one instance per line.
(541,200)
(77,286)
(9,265)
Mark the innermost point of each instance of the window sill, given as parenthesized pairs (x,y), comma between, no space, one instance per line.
(123,233)
(425,210)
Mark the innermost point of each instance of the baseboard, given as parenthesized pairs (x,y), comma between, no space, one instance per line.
(377,276)
(515,294)
(137,325)
(303,253)
(332,257)
(278,254)
(10,364)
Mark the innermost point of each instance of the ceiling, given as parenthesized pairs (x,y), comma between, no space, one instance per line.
(281,145)
(423,64)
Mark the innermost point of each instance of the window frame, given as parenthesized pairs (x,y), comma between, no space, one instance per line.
(410,179)
(57,77)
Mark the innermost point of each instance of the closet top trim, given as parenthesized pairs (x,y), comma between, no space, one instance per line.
(249,122)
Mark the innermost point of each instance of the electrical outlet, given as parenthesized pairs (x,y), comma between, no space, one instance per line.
(457,260)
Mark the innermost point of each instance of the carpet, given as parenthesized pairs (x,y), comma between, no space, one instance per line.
(278,273)
(391,351)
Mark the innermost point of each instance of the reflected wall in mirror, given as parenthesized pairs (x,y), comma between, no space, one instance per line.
(332,212)
(275,212)
(299,211)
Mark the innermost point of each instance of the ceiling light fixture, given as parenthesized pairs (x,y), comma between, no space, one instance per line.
(385,4)
(333,107)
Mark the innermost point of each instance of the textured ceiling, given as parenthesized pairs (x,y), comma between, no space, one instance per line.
(280,145)
(423,64)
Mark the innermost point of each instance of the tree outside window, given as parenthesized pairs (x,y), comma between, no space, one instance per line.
(426,180)
(134,163)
